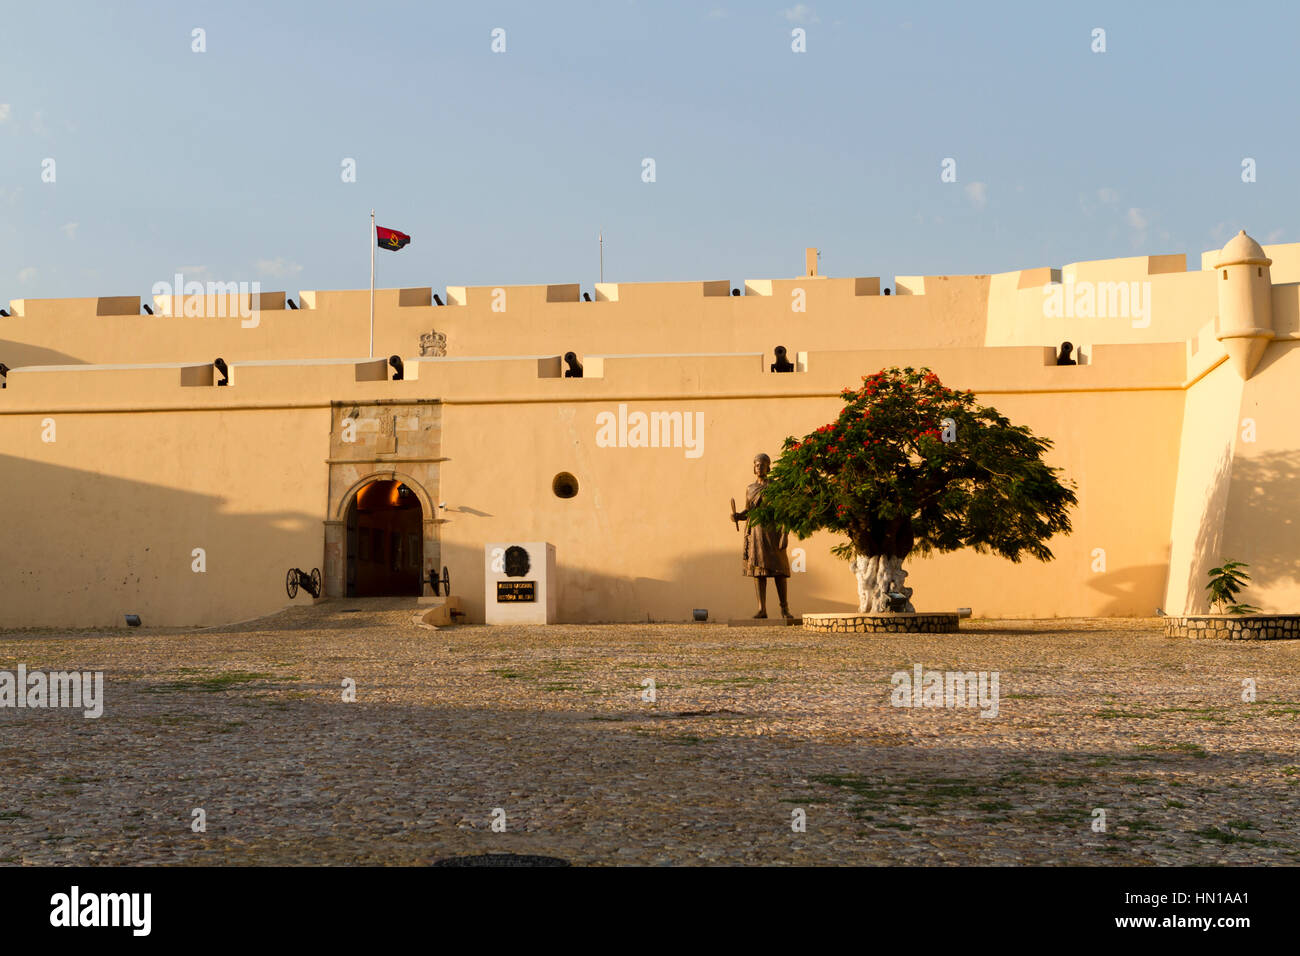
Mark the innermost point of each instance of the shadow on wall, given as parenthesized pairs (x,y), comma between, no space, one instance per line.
(82,549)
(1252,511)
(1209,537)
(19,354)
(1261,524)
(1126,586)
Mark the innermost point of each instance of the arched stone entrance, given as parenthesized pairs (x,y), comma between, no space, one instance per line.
(383,541)
(377,449)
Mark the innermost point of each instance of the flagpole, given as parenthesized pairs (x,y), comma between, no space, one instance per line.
(373,241)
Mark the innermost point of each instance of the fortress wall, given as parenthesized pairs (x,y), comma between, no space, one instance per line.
(103,521)
(1177,304)
(68,336)
(1286,310)
(635,317)
(647,534)
(1286,262)
(1125,269)
(1205,451)
(1260,523)
(504,380)
(692,317)
(927,311)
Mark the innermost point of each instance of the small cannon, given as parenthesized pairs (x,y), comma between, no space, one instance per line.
(441,588)
(298,578)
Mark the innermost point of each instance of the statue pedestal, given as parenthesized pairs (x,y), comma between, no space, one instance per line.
(519,583)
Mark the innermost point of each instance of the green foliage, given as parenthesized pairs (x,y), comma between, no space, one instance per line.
(1225,584)
(882,475)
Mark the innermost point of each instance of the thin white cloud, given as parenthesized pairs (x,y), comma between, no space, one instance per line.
(277,268)
(801,13)
(1106,194)
(4,112)
(1275,236)
(27,275)
(1138,221)
(69,229)
(978,194)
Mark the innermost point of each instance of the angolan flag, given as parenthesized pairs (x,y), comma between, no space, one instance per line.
(390,238)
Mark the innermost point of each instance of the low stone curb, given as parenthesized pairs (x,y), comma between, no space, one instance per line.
(1235,627)
(917,623)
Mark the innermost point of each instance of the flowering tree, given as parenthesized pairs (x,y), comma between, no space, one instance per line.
(910,465)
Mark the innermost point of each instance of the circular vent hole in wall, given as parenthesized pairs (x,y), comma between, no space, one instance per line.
(565,485)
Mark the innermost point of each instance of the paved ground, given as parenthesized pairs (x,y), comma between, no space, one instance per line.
(749,726)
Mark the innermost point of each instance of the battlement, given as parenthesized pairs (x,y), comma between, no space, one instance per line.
(228,303)
(225,299)
(537,378)
(1131,300)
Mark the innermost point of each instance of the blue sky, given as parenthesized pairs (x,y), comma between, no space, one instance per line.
(226,164)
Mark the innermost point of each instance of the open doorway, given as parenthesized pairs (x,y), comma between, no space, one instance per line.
(385,542)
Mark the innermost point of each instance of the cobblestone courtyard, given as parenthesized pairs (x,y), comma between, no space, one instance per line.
(750,724)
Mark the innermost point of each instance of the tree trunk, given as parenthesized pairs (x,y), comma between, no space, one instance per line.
(877,577)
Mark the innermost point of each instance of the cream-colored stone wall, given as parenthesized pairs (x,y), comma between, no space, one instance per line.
(104,520)
(241,470)
(668,317)
(152,459)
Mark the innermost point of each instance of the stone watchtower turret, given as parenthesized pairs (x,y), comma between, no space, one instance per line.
(1245,321)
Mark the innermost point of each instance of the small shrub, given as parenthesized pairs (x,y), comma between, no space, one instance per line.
(1225,584)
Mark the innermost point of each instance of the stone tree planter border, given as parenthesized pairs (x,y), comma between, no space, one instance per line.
(1234,627)
(934,622)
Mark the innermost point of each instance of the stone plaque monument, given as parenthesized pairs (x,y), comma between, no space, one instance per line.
(519,582)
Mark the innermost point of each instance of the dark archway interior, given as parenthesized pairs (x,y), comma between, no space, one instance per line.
(385,543)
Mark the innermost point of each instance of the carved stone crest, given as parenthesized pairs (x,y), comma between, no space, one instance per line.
(433,343)
(386,442)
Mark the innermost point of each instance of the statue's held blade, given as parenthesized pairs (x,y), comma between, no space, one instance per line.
(733,511)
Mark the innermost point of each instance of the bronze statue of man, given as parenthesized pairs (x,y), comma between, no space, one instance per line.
(764,555)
